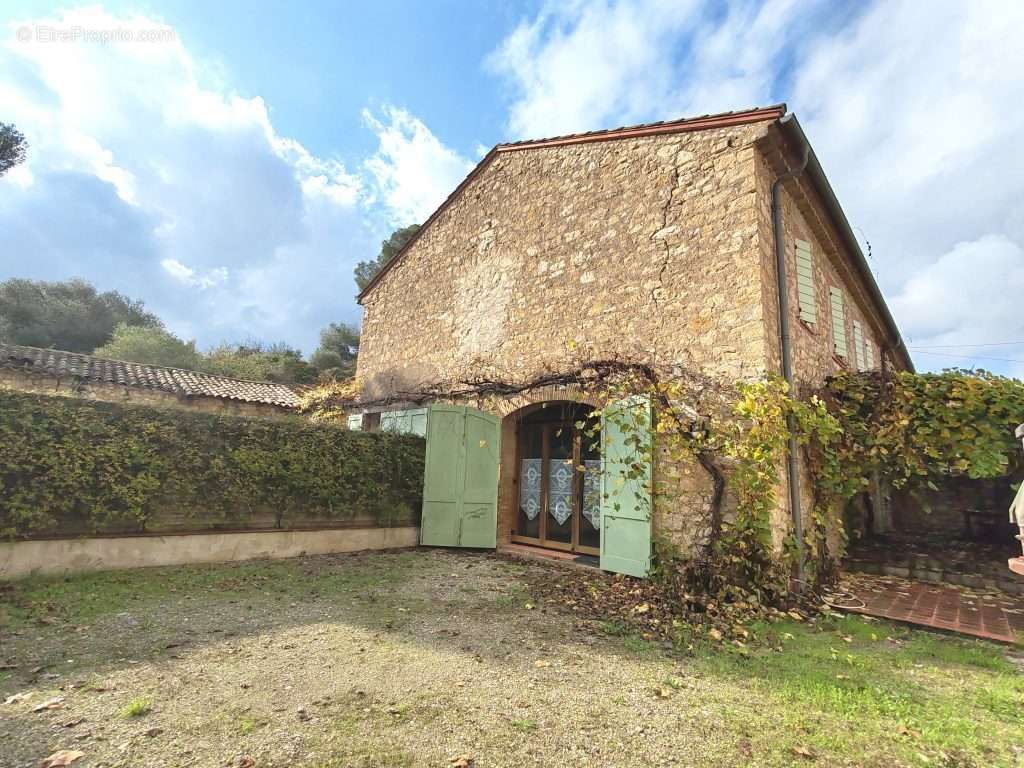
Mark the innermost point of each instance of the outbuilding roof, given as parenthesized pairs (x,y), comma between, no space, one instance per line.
(178,381)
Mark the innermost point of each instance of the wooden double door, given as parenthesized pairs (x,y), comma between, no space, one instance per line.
(559,479)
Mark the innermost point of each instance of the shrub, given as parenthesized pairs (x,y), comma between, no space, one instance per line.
(86,466)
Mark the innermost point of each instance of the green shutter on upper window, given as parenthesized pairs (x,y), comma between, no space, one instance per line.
(806,298)
(858,345)
(869,355)
(838,322)
(355,421)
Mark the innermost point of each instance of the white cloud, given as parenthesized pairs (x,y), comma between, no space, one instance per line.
(969,294)
(413,170)
(188,276)
(578,65)
(915,113)
(587,65)
(148,175)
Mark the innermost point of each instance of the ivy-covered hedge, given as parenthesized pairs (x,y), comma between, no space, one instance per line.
(71,466)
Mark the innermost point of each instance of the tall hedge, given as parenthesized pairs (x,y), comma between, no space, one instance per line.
(79,466)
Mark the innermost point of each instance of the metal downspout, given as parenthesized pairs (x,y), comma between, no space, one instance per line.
(787,361)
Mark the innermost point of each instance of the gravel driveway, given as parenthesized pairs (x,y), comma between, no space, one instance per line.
(425,658)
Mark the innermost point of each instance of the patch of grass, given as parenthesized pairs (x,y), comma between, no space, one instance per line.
(923,695)
(136,708)
(929,648)
(614,628)
(247,726)
(636,644)
(673,682)
(82,598)
(524,726)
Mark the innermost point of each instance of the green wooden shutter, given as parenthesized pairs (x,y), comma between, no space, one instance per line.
(838,322)
(355,421)
(480,482)
(869,354)
(389,421)
(626,486)
(858,345)
(460,485)
(806,298)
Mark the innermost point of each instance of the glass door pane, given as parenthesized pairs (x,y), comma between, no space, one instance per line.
(531,471)
(560,484)
(590,486)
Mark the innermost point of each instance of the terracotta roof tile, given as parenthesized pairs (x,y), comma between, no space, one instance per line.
(177,381)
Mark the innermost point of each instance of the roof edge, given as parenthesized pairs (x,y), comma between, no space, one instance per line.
(791,126)
(684,125)
(24,357)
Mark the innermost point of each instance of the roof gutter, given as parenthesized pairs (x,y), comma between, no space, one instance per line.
(791,128)
(793,465)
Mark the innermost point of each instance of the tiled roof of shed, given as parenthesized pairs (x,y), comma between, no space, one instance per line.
(177,381)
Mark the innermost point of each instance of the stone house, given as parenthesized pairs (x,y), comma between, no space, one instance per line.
(659,243)
(55,372)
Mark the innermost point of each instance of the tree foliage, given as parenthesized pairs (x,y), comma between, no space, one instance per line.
(916,430)
(335,358)
(366,270)
(152,346)
(70,315)
(260,362)
(71,465)
(13,147)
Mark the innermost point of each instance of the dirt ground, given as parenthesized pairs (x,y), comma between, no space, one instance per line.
(424,658)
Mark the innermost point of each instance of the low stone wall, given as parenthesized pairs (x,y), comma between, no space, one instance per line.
(56,556)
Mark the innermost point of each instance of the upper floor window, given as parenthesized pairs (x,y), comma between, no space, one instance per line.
(806,298)
(838,323)
(858,346)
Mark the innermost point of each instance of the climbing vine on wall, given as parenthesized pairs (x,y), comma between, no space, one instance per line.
(918,430)
(736,434)
(92,466)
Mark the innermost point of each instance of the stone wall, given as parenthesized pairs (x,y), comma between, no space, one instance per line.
(657,249)
(812,346)
(72,386)
(641,248)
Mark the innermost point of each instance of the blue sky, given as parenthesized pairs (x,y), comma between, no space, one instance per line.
(232,174)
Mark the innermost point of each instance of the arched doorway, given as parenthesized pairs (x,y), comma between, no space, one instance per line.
(558,477)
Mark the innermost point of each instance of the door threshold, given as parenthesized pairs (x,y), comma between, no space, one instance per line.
(528,552)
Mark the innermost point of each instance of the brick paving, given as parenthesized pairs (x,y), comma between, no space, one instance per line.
(991,615)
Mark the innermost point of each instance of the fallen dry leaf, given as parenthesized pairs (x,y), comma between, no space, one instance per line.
(804,752)
(463,761)
(62,757)
(642,608)
(541,663)
(55,703)
(714,634)
(16,697)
